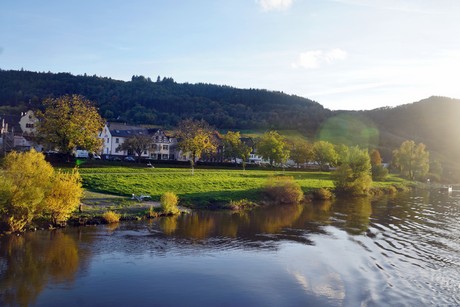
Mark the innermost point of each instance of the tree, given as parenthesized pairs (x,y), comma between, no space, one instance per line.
(195,138)
(69,122)
(244,151)
(29,187)
(379,172)
(412,159)
(353,176)
(324,154)
(25,181)
(63,197)
(272,147)
(138,143)
(342,152)
(235,148)
(375,157)
(301,152)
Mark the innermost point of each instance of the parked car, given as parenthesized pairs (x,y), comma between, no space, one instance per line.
(129,159)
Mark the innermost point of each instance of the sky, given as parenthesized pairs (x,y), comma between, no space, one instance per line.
(344,54)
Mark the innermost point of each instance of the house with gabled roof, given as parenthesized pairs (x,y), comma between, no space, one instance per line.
(114,134)
(17,132)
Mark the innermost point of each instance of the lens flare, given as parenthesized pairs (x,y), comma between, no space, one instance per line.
(351,130)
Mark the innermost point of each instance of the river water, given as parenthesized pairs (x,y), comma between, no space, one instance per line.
(395,251)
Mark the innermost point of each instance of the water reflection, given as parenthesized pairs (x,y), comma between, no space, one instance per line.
(344,252)
(31,261)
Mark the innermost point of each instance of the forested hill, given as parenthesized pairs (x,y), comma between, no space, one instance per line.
(434,121)
(165,102)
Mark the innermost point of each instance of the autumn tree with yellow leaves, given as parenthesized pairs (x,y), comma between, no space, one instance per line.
(70,122)
(31,188)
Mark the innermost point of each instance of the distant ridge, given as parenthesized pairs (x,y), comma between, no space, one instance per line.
(165,102)
(435,121)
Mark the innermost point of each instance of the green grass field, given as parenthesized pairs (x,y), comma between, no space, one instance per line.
(204,187)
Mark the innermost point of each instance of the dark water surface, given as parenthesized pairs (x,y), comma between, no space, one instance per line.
(393,251)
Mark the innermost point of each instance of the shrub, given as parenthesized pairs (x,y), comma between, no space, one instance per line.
(353,177)
(30,188)
(151,213)
(284,190)
(64,196)
(111,217)
(239,204)
(379,172)
(322,194)
(169,202)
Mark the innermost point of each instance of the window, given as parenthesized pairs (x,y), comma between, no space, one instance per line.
(29,125)
(117,140)
(108,140)
(154,146)
(165,147)
(145,152)
(164,157)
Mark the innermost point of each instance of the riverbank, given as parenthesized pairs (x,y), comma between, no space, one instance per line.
(111,188)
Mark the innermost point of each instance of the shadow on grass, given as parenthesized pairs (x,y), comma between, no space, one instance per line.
(208,199)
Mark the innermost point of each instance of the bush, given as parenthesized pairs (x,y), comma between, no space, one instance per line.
(30,188)
(169,202)
(111,217)
(379,172)
(284,190)
(239,204)
(322,194)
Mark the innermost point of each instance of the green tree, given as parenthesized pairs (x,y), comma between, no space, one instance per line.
(138,143)
(324,154)
(29,187)
(69,122)
(195,138)
(301,152)
(342,152)
(235,148)
(273,147)
(353,176)
(412,159)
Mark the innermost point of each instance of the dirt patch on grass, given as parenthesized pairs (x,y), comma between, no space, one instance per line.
(94,202)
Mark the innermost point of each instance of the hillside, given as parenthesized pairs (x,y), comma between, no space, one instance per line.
(165,102)
(433,121)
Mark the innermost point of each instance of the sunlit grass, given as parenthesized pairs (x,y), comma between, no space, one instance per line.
(206,185)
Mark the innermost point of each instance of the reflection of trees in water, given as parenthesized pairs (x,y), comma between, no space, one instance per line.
(353,215)
(29,262)
(245,225)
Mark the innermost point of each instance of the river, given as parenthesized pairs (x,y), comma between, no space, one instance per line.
(393,251)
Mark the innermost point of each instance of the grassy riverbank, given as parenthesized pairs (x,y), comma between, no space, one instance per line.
(205,187)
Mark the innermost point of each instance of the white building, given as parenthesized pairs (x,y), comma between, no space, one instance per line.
(114,134)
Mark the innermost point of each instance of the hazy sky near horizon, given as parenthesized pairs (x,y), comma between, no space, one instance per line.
(344,54)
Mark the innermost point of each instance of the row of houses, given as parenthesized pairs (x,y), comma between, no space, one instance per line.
(19,133)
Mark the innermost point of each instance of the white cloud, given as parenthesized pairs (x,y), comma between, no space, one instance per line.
(315,58)
(273,5)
